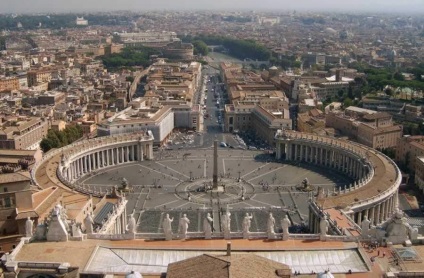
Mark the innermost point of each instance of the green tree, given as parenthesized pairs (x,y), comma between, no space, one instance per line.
(46,144)
(54,139)
(200,48)
(347,102)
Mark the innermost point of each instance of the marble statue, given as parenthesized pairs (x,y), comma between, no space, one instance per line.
(226,224)
(58,209)
(285,224)
(167,226)
(271,226)
(323,227)
(88,223)
(395,230)
(398,229)
(57,231)
(61,213)
(183,226)
(208,226)
(132,224)
(397,225)
(76,230)
(124,184)
(365,226)
(247,222)
(29,227)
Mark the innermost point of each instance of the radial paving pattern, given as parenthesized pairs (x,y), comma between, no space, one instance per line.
(175,182)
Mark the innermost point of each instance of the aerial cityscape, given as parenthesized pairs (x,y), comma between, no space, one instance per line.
(197,139)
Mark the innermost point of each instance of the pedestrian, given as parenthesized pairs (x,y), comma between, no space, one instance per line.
(378,253)
(384,254)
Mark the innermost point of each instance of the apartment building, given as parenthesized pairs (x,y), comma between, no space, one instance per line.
(368,127)
(238,116)
(419,172)
(312,121)
(266,122)
(24,134)
(408,148)
(138,117)
(9,83)
(15,189)
(36,77)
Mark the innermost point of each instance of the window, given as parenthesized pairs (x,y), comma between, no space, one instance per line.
(5,189)
(7,202)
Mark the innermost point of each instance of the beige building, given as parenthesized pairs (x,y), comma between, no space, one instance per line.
(419,172)
(266,122)
(24,135)
(238,116)
(379,138)
(368,127)
(9,84)
(15,189)
(408,149)
(38,76)
(312,121)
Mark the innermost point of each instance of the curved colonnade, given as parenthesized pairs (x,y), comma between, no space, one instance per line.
(377,177)
(63,167)
(372,195)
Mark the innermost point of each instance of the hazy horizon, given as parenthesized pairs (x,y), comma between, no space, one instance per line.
(81,6)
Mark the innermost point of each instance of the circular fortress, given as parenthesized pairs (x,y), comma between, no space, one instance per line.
(306,169)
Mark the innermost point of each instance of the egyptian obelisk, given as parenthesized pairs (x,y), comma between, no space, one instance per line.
(215,165)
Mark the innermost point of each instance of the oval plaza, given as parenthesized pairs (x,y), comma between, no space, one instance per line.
(349,192)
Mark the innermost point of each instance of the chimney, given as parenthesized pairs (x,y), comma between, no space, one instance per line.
(229,248)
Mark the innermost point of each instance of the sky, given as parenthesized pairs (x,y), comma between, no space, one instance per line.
(42,6)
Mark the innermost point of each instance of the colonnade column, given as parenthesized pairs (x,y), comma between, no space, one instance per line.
(383,212)
(89,163)
(377,215)
(371,215)
(387,208)
(84,166)
(295,152)
(78,168)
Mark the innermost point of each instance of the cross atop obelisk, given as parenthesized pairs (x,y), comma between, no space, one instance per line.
(215,165)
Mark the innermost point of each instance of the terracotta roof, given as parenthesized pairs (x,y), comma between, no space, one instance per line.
(221,266)
(42,202)
(14,177)
(17,153)
(378,115)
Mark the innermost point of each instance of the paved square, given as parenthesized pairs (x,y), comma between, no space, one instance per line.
(154,185)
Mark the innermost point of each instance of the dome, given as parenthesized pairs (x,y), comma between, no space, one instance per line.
(133,274)
(325,274)
(273,68)
(330,30)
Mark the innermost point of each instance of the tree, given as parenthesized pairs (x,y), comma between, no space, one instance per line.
(46,144)
(200,48)
(58,139)
(347,102)
(398,76)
